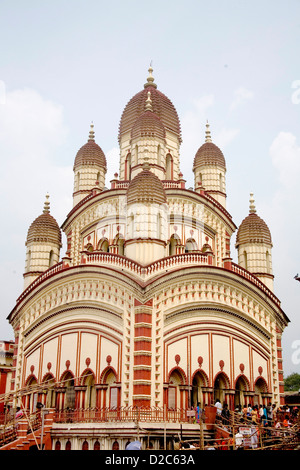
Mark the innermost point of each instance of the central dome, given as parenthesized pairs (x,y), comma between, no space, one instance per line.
(161,105)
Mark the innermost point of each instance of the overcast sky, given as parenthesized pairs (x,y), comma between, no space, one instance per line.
(233,62)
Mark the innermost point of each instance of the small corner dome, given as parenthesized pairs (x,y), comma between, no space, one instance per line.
(209,153)
(90,153)
(146,187)
(253,229)
(44,228)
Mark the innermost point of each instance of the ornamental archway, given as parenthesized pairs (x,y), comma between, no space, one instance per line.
(199,380)
(221,384)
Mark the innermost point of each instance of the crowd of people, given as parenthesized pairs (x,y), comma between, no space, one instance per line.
(262,421)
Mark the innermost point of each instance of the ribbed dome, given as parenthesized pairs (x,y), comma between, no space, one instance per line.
(146,187)
(253,229)
(90,153)
(44,228)
(148,124)
(161,105)
(209,154)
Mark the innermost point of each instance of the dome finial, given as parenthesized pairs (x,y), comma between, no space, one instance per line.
(92,133)
(46,205)
(252,208)
(207,133)
(148,106)
(150,79)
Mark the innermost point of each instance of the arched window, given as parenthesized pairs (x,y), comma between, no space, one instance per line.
(245,260)
(57,445)
(115,446)
(103,245)
(175,380)
(190,245)
(51,258)
(28,260)
(97,445)
(49,383)
(221,186)
(128,167)
(70,391)
(158,224)
(119,241)
(268,262)
(68,445)
(90,392)
(174,242)
(169,167)
(131,226)
(110,380)
(77,181)
(31,398)
(85,445)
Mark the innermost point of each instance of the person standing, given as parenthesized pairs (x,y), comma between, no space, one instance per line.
(219,408)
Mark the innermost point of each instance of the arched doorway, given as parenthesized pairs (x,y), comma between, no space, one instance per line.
(198,382)
(174,243)
(111,392)
(68,382)
(220,386)
(260,389)
(88,380)
(175,397)
(191,245)
(32,397)
(49,383)
(241,386)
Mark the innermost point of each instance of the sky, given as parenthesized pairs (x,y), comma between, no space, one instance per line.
(65,64)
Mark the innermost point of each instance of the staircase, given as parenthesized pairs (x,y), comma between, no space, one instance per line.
(23,436)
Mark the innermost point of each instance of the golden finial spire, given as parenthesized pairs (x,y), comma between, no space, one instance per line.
(46,205)
(92,133)
(148,106)
(150,79)
(207,133)
(252,208)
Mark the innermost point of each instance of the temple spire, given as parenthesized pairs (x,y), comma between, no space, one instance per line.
(207,133)
(252,208)
(150,79)
(92,133)
(46,205)
(148,106)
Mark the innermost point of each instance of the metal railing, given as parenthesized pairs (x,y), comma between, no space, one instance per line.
(123,414)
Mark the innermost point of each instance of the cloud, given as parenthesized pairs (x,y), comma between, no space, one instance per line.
(32,136)
(241,96)
(226,136)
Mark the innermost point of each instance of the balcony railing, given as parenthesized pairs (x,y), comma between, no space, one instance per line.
(144,272)
(123,414)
